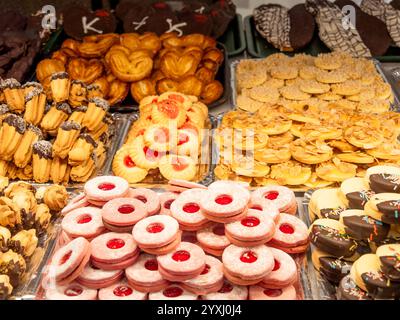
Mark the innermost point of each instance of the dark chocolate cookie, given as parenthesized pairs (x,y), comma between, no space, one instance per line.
(334,269)
(348,290)
(222,12)
(302,26)
(196,23)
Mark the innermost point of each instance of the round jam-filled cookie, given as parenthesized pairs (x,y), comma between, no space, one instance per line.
(123,212)
(121,291)
(69,261)
(266,206)
(213,239)
(326,203)
(367,275)
(228,291)
(166,199)
(356,192)
(284,272)
(360,226)
(255,229)
(106,188)
(348,290)
(329,236)
(384,207)
(260,293)
(282,197)
(71,291)
(173,292)
(389,257)
(290,235)
(148,197)
(83,222)
(78,201)
(186,210)
(95,278)
(383,179)
(144,276)
(247,266)
(186,262)
(157,233)
(210,279)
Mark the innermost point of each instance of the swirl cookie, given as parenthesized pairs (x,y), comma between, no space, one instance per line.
(384,207)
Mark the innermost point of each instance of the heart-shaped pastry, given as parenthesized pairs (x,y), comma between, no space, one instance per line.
(142,89)
(97,46)
(149,41)
(130,67)
(47,67)
(177,66)
(85,70)
(118,91)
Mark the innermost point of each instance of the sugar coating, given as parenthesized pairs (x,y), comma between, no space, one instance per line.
(17,122)
(10,83)
(35,92)
(70,125)
(43,148)
(59,75)
(64,107)
(101,103)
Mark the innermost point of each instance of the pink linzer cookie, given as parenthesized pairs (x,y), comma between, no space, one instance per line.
(77,202)
(186,210)
(260,293)
(105,188)
(166,199)
(266,206)
(71,291)
(185,184)
(189,236)
(282,197)
(291,235)
(121,291)
(173,292)
(186,262)
(247,266)
(224,183)
(144,276)
(213,239)
(210,279)
(228,291)
(94,278)
(284,273)
(114,251)
(148,197)
(83,222)
(123,213)
(255,229)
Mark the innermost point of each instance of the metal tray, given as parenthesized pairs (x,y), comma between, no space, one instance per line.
(234,37)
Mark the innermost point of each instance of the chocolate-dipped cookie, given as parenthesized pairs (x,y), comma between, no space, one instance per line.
(348,290)
(331,268)
(302,26)
(389,257)
(222,12)
(326,203)
(195,23)
(356,192)
(384,207)
(383,179)
(125,6)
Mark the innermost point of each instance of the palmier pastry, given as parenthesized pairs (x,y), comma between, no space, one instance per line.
(117,92)
(55,117)
(97,46)
(35,103)
(211,92)
(60,170)
(96,111)
(98,89)
(60,85)
(176,66)
(66,136)
(85,70)
(41,162)
(190,85)
(166,85)
(81,150)
(47,67)
(23,154)
(77,94)
(11,134)
(142,89)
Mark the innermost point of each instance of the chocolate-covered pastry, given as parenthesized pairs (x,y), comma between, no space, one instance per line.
(384,207)
(222,13)
(348,290)
(125,6)
(384,182)
(24,242)
(302,27)
(13,265)
(135,19)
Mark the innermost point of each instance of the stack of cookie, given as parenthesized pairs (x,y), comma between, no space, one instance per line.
(353,223)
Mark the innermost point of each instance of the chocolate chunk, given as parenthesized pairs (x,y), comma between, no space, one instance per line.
(302,27)
(88,138)
(17,122)
(59,75)
(348,290)
(70,125)
(390,266)
(380,287)
(358,199)
(64,107)
(332,213)
(383,182)
(390,211)
(334,269)
(101,103)
(365,228)
(43,149)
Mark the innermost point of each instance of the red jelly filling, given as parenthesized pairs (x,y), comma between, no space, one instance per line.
(206,269)
(65,257)
(286,228)
(179,164)
(73,291)
(115,243)
(122,291)
(226,288)
(273,292)
(151,265)
(150,154)
(256,208)
(250,222)
(248,257)
(183,138)
(181,255)
(142,198)
(272,195)
(172,292)
(106,186)
(277,265)
(223,199)
(155,228)
(176,97)
(167,204)
(129,162)
(85,218)
(126,209)
(219,230)
(191,208)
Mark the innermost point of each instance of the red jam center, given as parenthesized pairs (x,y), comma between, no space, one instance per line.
(183,138)
(65,257)
(223,199)
(286,228)
(85,218)
(151,155)
(219,230)
(129,162)
(272,195)
(256,208)
(250,222)
(106,186)
(277,265)
(181,255)
(161,135)
(206,269)
(126,209)
(172,292)
(167,204)
(122,291)
(73,291)
(179,164)
(248,257)
(176,97)
(142,198)
(115,243)
(191,208)
(151,265)
(226,288)
(169,108)
(273,292)
(155,228)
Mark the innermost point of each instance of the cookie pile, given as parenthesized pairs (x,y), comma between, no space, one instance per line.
(25,214)
(356,234)
(143,64)
(124,243)
(57,138)
(166,140)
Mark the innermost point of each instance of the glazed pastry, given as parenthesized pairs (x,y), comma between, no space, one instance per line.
(77,94)
(35,103)
(11,134)
(67,135)
(97,109)
(24,242)
(42,158)
(53,119)
(5,287)
(60,85)
(81,150)
(56,197)
(60,170)
(23,154)
(14,95)
(78,114)
(84,171)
